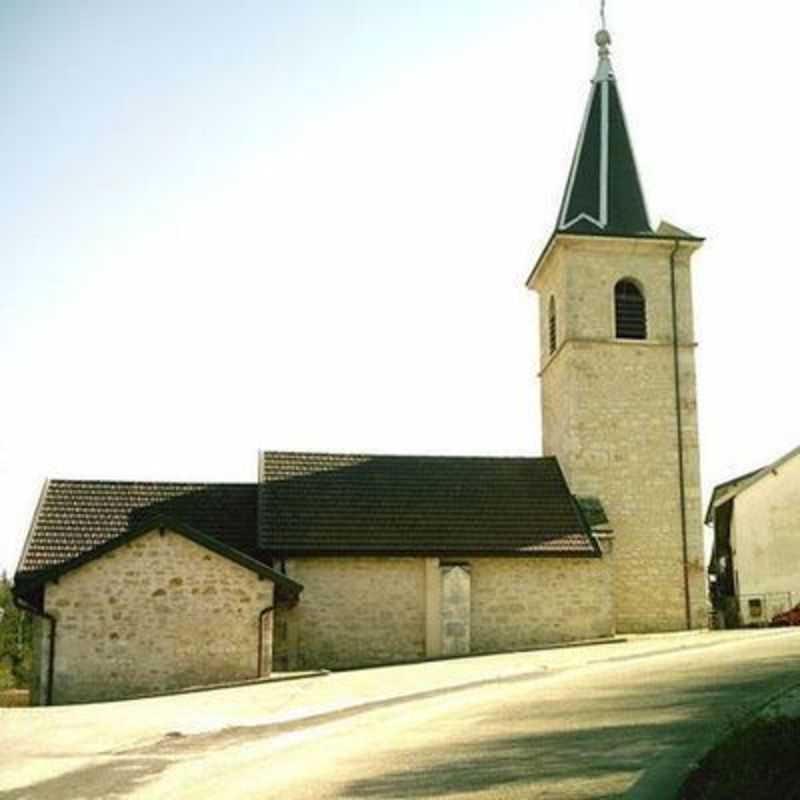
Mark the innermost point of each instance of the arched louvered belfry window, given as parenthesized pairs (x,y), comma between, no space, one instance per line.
(552,325)
(630,311)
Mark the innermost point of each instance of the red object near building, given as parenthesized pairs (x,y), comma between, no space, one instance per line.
(790,617)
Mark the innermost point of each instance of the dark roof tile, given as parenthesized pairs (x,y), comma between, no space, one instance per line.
(76,517)
(321,503)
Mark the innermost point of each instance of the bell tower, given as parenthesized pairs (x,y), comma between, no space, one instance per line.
(617,369)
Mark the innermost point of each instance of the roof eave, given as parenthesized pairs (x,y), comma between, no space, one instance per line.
(295,552)
(559,235)
(34,520)
(542,256)
(29,580)
(755,477)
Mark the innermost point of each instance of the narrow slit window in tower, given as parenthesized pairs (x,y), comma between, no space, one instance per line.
(630,312)
(552,325)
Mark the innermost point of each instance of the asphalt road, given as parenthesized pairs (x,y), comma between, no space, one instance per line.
(629,727)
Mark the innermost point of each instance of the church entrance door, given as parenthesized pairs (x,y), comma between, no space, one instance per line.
(456,583)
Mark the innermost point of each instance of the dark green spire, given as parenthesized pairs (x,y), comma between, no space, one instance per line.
(603,193)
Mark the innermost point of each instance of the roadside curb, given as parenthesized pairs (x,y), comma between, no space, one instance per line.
(288,724)
(650,786)
(216,687)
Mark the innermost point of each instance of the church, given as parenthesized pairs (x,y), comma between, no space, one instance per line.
(339,561)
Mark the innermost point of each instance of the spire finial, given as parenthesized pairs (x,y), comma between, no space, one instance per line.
(603,40)
(603,37)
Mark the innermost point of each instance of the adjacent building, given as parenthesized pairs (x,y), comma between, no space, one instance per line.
(755,562)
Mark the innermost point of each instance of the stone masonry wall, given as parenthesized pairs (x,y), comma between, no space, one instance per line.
(365,611)
(519,603)
(156,614)
(609,415)
(353,612)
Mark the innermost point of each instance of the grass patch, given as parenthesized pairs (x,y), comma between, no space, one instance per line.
(14,698)
(759,760)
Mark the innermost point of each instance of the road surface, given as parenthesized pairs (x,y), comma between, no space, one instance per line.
(627,727)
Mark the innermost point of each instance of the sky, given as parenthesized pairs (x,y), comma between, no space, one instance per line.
(307,225)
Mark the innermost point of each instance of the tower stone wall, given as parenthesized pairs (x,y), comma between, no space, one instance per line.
(609,415)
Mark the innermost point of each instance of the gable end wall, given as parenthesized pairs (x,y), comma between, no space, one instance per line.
(766,538)
(156,614)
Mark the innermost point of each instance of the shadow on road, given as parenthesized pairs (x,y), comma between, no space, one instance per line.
(110,780)
(579,739)
(587,757)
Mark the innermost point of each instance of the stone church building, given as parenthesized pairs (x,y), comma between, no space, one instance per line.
(339,561)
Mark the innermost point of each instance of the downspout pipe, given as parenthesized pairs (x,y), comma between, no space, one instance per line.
(679,424)
(261,616)
(23,605)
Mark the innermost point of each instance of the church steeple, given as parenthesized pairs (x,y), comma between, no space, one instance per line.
(603,193)
(616,338)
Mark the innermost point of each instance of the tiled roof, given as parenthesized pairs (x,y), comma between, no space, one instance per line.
(76,517)
(317,503)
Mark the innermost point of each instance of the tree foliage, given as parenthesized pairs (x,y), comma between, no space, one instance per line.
(15,641)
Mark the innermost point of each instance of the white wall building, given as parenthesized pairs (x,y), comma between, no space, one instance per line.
(755,565)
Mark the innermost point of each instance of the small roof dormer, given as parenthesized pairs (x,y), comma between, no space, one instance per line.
(603,193)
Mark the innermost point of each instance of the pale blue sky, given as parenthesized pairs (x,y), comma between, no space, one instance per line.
(308,224)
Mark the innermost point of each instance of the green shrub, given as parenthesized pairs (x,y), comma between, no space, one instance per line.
(758,761)
(15,641)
